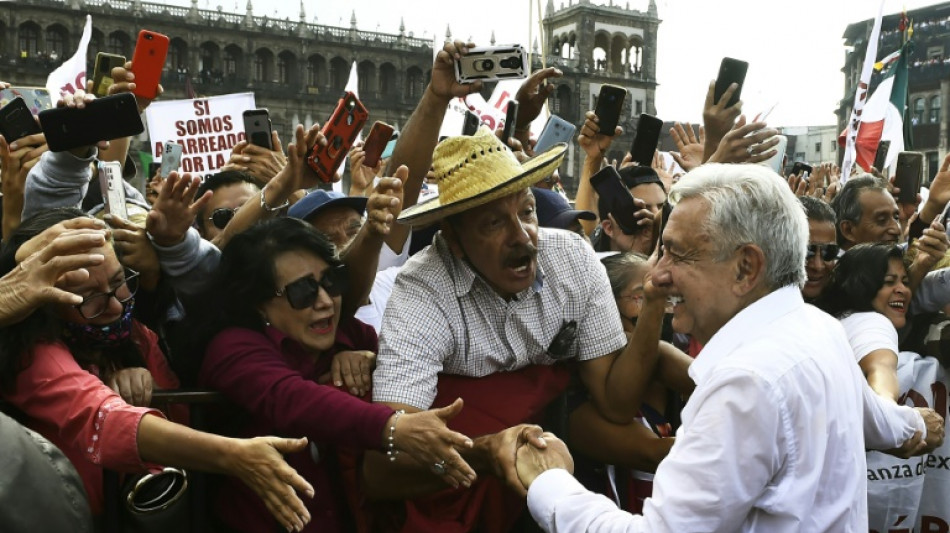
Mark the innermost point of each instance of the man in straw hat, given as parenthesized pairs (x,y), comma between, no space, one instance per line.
(485,312)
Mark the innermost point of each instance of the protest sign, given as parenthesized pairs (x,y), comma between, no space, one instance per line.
(206,128)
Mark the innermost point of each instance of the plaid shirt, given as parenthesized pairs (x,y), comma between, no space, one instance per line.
(443,318)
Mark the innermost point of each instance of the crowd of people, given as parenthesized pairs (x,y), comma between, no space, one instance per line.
(409,356)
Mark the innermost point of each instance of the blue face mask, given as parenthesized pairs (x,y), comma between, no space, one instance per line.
(108,336)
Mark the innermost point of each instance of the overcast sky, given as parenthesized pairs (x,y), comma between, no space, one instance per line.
(794,47)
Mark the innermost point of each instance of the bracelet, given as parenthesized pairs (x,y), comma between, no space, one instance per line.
(268,208)
(391,450)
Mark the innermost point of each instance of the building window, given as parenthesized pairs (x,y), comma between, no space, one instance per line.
(639,107)
(934,115)
(918,116)
(818,147)
(55,43)
(933,165)
(935,52)
(29,40)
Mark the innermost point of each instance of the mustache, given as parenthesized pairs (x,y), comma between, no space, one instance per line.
(518,254)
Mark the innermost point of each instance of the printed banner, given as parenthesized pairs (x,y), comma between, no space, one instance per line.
(206,128)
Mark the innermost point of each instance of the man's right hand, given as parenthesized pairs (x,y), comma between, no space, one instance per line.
(174,211)
(935,429)
(532,462)
(594,143)
(443,83)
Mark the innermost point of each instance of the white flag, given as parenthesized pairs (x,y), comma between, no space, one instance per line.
(860,97)
(71,75)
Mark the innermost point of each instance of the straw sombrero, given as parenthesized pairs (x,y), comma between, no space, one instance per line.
(473,170)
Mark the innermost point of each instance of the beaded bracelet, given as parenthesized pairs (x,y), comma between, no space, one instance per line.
(391,450)
(270,209)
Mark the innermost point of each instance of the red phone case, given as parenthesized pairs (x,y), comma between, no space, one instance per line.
(148,62)
(376,141)
(340,131)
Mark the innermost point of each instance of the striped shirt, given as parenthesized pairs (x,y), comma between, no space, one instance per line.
(442,317)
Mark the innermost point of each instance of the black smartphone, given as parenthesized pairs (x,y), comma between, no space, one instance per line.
(907,178)
(730,71)
(664,218)
(471,124)
(511,118)
(646,140)
(801,169)
(610,188)
(16,121)
(257,127)
(609,106)
(103,119)
(880,156)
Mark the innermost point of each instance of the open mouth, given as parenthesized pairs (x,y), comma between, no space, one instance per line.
(520,265)
(322,327)
(897,305)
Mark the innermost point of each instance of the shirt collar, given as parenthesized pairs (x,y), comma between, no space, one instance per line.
(748,324)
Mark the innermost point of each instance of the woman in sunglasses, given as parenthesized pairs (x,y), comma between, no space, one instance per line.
(57,365)
(276,331)
(822,250)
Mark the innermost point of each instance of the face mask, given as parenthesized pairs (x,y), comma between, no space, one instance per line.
(108,336)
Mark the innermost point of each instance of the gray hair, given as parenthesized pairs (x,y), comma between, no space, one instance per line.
(847,203)
(817,209)
(751,204)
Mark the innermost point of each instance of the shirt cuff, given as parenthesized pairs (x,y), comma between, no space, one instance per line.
(547,490)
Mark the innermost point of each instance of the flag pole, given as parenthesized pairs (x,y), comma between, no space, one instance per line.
(860,97)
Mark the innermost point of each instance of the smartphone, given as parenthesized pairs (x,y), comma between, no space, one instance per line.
(16,121)
(171,159)
(340,130)
(390,146)
(907,178)
(103,119)
(113,188)
(802,170)
(646,140)
(943,218)
(102,75)
(376,142)
(258,128)
(609,106)
(148,60)
(471,124)
(511,118)
(556,130)
(664,218)
(491,63)
(880,156)
(36,98)
(730,71)
(775,162)
(610,189)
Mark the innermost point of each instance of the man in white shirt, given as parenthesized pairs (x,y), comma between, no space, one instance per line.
(773,437)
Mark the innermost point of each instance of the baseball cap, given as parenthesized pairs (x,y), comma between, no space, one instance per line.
(639,175)
(554,211)
(319,200)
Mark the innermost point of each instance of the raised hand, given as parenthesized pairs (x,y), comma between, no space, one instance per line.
(443,83)
(16,161)
(718,119)
(385,203)
(175,209)
(361,177)
(689,154)
(594,143)
(124,82)
(746,143)
(264,164)
(135,250)
(532,95)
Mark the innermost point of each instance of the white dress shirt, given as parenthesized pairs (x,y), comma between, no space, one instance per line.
(771,439)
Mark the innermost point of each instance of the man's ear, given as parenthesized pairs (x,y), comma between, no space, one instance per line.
(750,268)
(452,239)
(846,227)
(609,229)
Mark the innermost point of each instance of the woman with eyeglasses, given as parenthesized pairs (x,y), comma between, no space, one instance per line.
(274,336)
(56,364)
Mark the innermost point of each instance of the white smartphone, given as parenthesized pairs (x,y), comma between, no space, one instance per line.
(556,130)
(775,162)
(171,159)
(113,188)
(490,63)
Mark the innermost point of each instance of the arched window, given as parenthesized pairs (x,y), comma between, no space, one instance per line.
(414,84)
(934,114)
(316,71)
(918,117)
(118,44)
(56,43)
(339,73)
(29,39)
(287,68)
(387,79)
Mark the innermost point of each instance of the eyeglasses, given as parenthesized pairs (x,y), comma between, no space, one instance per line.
(303,292)
(828,252)
(96,304)
(221,216)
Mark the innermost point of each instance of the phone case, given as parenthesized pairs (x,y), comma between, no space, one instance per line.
(171,159)
(610,189)
(511,119)
(490,63)
(103,119)
(471,124)
(258,127)
(340,131)
(907,176)
(556,130)
(646,140)
(102,75)
(609,106)
(730,71)
(880,156)
(376,142)
(113,189)
(16,121)
(36,98)
(148,60)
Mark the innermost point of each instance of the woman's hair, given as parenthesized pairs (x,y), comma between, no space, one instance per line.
(17,341)
(246,278)
(857,278)
(622,269)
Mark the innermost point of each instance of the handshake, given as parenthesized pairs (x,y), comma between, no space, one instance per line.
(535,451)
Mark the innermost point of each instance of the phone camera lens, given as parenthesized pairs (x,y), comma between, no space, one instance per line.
(511,62)
(148,36)
(484,65)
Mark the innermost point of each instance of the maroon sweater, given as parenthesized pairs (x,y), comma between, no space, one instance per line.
(272,379)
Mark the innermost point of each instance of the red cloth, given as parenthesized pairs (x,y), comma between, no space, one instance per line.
(492,403)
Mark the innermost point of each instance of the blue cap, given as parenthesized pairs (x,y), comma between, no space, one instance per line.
(318,200)
(554,211)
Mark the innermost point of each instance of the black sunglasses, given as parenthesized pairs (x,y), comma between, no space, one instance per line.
(221,216)
(829,252)
(302,293)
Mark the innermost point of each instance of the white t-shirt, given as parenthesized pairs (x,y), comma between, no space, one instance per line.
(869,331)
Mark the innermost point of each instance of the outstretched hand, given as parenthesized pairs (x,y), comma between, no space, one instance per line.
(531,461)
(426,437)
(175,209)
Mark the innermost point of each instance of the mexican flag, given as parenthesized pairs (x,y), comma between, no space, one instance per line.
(883,115)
